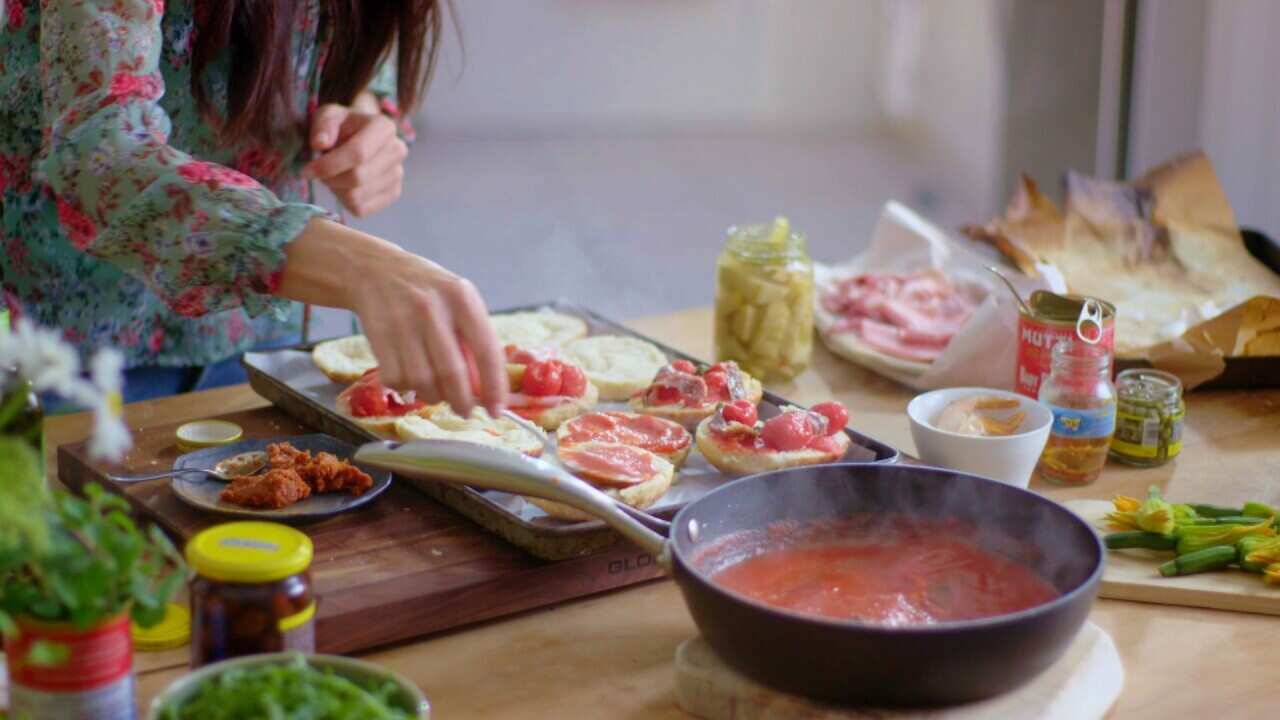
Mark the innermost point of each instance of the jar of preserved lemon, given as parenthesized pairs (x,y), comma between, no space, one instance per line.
(764,301)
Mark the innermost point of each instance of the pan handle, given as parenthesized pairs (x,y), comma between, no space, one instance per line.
(464,463)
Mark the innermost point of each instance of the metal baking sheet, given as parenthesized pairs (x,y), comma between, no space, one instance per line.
(288,378)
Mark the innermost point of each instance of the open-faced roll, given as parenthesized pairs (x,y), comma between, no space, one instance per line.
(628,474)
(375,406)
(657,435)
(619,366)
(682,393)
(440,422)
(541,328)
(344,360)
(545,389)
(734,441)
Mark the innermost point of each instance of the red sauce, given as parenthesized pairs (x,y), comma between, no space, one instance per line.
(642,431)
(609,465)
(899,575)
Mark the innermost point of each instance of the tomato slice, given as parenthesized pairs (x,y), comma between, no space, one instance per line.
(788,431)
(684,366)
(643,431)
(835,413)
(368,397)
(573,382)
(609,465)
(742,411)
(542,377)
(717,384)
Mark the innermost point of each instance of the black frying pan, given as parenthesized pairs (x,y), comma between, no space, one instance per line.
(840,661)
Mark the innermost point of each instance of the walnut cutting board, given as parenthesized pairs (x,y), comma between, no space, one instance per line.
(1133,575)
(1082,685)
(399,567)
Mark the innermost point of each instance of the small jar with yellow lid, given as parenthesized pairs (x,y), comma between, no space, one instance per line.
(253,591)
(764,301)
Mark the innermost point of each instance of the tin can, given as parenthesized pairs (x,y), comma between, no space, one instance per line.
(95,682)
(1055,318)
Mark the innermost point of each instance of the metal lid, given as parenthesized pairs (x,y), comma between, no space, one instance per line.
(173,631)
(249,552)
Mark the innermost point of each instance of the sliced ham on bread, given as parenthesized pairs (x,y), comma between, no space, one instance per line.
(685,395)
(737,448)
(549,411)
(376,407)
(665,438)
(627,474)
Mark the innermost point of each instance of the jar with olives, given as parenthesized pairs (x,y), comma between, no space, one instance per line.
(253,592)
(764,301)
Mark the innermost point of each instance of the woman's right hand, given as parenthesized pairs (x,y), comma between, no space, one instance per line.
(428,327)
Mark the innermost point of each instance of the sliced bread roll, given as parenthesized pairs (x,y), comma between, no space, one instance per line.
(620,366)
(691,416)
(538,329)
(440,422)
(735,459)
(667,439)
(627,474)
(550,416)
(344,360)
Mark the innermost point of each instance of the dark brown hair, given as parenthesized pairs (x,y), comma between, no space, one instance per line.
(257,34)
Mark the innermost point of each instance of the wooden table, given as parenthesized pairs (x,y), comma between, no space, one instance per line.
(611,656)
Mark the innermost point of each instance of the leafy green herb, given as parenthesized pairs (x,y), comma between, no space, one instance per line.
(291,689)
(75,559)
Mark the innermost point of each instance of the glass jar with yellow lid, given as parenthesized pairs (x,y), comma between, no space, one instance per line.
(253,591)
(764,301)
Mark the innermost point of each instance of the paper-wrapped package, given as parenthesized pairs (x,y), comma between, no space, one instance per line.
(983,351)
(1165,250)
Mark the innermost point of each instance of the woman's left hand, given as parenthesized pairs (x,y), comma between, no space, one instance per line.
(360,157)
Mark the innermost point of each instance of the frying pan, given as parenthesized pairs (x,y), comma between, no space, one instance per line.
(833,660)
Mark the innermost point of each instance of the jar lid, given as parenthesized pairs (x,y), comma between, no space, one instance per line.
(173,631)
(200,434)
(249,552)
(1148,384)
(767,242)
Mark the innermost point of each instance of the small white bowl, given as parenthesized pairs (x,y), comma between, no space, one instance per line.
(1010,458)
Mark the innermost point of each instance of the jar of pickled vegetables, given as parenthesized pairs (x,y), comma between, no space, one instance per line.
(1149,414)
(1078,390)
(252,593)
(764,301)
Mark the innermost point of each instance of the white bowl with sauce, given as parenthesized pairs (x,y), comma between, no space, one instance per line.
(1009,459)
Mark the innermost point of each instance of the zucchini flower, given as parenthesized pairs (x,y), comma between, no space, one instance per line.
(1257,509)
(1257,552)
(1198,537)
(1155,515)
(1125,516)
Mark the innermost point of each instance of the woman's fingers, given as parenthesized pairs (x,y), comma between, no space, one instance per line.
(471,318)
(374,172)
(445,355)
(368,134)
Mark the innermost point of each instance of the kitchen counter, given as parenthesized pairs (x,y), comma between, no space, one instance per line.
(611,656)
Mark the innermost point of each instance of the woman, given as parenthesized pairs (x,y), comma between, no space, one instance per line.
(155,168)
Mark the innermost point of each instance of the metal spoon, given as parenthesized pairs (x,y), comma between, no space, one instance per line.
(1009,283)
(247,463)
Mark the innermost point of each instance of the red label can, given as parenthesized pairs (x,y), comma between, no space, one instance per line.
(94,683)
(1053,319)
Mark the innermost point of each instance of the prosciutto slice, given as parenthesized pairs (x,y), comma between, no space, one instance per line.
(912,316)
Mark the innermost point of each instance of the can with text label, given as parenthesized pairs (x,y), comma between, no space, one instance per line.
(1054,318)
(92,680)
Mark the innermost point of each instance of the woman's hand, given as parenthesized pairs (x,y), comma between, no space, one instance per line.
(428,327)
(360,157)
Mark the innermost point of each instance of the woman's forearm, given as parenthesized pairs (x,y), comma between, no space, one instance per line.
(327,260)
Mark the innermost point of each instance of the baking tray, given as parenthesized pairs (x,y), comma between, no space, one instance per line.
(289,379)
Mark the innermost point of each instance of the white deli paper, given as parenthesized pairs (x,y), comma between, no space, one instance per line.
(983,353)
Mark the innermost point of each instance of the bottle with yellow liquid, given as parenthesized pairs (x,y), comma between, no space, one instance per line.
(1079,391)
(764,301)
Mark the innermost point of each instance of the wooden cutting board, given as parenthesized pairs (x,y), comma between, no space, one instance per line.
(399,567)
(1134,575)
(1082,685)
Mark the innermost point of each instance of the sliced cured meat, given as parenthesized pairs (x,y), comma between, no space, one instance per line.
(672,387)
(610,465)
(910,316)
(643,431)
(368,397)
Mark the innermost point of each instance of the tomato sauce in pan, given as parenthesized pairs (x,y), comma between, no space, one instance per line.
(897,577)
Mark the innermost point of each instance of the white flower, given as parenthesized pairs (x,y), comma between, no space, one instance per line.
(51,365)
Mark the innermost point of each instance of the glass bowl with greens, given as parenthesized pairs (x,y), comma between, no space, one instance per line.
(291,685)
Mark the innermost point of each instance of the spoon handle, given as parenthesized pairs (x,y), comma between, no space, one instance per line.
(156,476)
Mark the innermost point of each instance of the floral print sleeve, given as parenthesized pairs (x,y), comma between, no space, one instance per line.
(201,236)
(383,87)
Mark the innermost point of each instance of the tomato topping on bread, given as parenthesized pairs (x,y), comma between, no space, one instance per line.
(545,388)
(662,437)
(793,437)
(375,406)
(681,393)
(627,474)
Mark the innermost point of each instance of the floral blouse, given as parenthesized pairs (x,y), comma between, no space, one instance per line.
(123,220)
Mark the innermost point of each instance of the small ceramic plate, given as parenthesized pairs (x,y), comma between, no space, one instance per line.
(202,494)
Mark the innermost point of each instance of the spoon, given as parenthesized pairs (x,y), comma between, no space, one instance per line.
(1009,283)
(247,463)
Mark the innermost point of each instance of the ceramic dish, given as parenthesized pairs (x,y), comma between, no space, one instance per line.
(409,697)
(202,494)
(1007,458)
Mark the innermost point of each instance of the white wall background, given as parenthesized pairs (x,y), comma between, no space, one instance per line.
(574,67)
